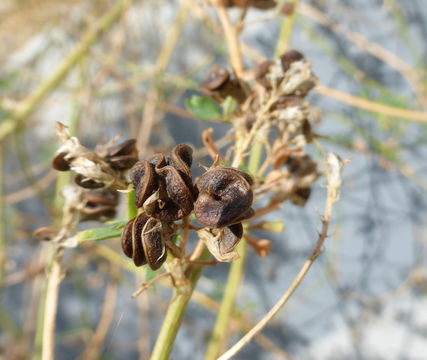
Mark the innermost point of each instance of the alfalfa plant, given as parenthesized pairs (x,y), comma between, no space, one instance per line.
(271,124)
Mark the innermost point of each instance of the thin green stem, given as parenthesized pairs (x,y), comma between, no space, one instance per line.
(175,313)
(219,334)
(286,31)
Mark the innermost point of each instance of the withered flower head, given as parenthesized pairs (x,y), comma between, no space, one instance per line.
(163,186)
(144,241)
(225,197)
(93,171)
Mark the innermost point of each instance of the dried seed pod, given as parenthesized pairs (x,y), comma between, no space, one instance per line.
(87,183)
(59,163)
(163,186)
(217,77)
(219,85)
(122,156)
(225,197)
(100,205)
(289,57)
(178,199)
(221,243)
(261,71)
(143,240)
(144,180)
(301,196)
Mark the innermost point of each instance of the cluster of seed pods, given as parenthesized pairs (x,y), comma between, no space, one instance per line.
(164,193)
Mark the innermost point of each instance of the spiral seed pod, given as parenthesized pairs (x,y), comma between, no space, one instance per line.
(225,197)
(122,156)
(143,240)
(163,186)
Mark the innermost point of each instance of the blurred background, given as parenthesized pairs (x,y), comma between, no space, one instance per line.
(364,298)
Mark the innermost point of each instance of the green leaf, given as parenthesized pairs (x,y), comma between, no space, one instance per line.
(203,107)
(98,234)
(229,107)
(117,223)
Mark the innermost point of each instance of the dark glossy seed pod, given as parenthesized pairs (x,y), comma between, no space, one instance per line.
(143,240)
(122,156)
(144,181)
(59,163)
(163,186)
(225,197)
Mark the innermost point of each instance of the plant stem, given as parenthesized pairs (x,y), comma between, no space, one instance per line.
(219,335)
(175,313)
(76,55)
(51,306)
(286,31)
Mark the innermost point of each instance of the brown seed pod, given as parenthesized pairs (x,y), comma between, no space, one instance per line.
(122,156)
(225,197)
(217,77)
(59,163)
(219,85)
(87,183)
(100,205)
(163,186)
(261,71)
(143,240)
(144,180)
(289,57)
(301,196)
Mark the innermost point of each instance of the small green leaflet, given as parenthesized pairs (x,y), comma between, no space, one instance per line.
(203,107)
(114,230)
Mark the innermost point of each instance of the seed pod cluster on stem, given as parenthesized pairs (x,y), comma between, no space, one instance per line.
(164,193)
